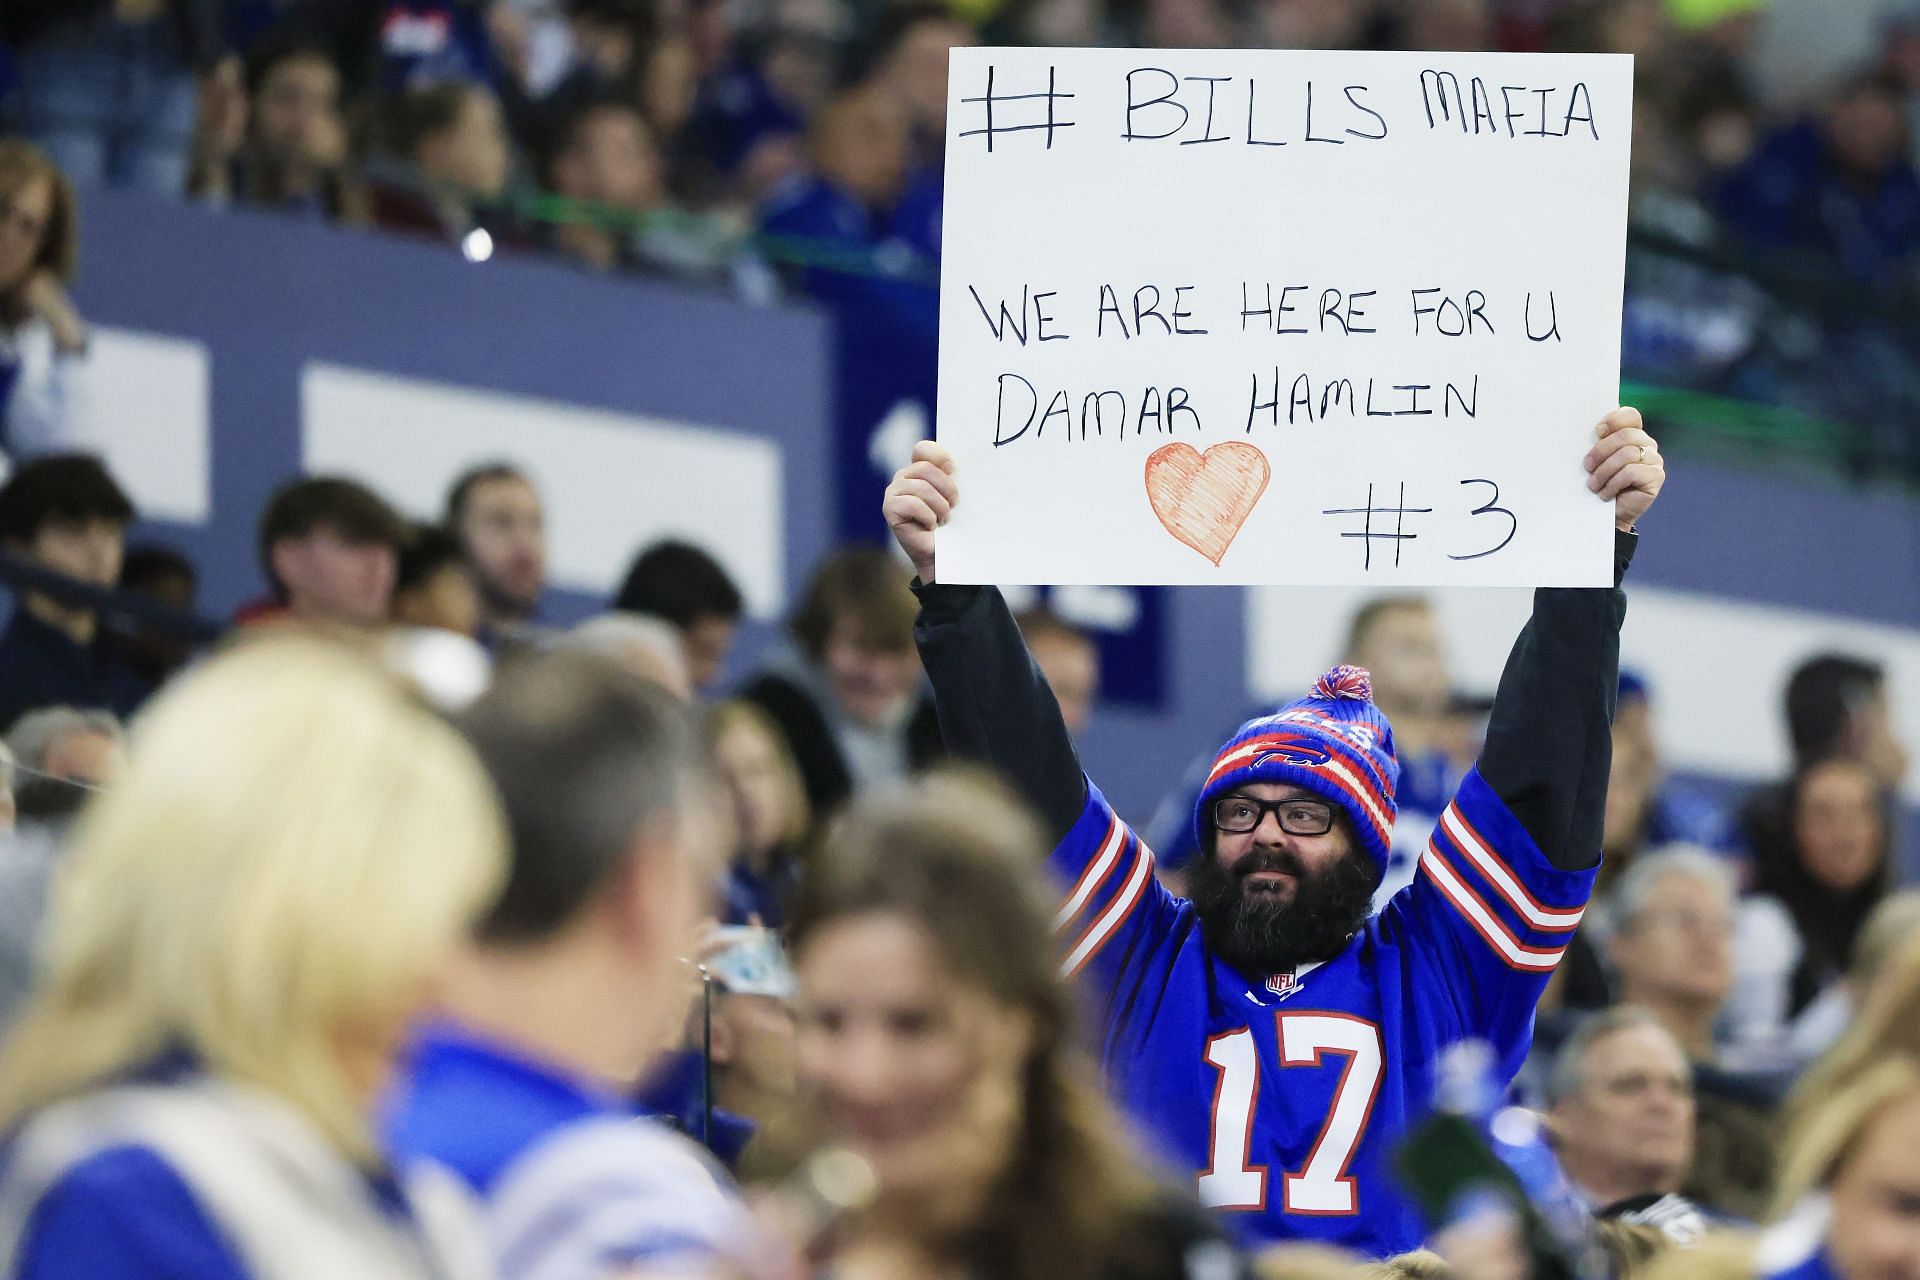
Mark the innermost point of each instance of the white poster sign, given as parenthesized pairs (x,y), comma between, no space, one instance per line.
(1280,316)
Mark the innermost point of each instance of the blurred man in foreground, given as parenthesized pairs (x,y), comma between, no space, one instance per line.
(576,980)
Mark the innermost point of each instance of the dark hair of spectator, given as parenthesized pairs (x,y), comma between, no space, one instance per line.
(860,590)
(1823,695)
(1829,920)
(409,119)
(1062,1205)
(355,513)
(60,486)
(22,163)
(430,549)
(471,479)
(148,564)
(681,583)
(583,754)
(565,133)
(1370,613)
(276,49)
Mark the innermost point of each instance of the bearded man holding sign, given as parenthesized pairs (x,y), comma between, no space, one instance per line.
(1271,1034)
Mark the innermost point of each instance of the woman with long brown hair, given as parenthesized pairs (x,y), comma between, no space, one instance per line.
(43,339)
(937,1041)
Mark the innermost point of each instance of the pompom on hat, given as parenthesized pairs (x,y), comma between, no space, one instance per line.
(1334,742)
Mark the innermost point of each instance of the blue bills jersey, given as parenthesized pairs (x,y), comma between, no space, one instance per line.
(1286,1094)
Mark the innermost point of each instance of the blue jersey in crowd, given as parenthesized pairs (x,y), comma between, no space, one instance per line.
(574,1184)
(1315,1073)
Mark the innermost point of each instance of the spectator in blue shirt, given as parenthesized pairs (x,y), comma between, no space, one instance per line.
(254,913)
(108,89)
(577,982)
(1645,808)
(64,513)
(1839,185)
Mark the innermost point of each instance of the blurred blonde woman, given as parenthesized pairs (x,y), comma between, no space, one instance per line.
(247,923)
(1850,1186)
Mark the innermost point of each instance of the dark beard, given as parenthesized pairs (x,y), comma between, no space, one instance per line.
(1262,936)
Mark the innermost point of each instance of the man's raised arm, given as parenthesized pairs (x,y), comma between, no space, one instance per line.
(1549,745)
(994,705)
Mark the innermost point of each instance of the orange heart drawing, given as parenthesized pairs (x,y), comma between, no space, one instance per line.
(1204,498)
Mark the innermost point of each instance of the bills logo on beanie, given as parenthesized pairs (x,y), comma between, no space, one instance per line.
(1334,742)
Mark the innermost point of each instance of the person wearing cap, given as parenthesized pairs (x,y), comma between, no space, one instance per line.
(1274,1034)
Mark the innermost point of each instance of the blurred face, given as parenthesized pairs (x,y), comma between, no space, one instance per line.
(1402,651)
(1313,24)
(25,214)
(1877,742)
(1680,947)
(707,643)
(296,112)
(1638,27)
(90,550)
(1270,900)
(873,686)
(1903,57)
(665,912)
(1451,24)
(1875,1233)
(861,144)
(446,601)
(84,756)
(1838,826)
(1629,1129)
(1635,771)
(1867,132)
(918,70)
(471,154)
(749,767)
(613,159)
(758,1044)
(915,1071)
(673,75)
(1072,666)
(328,577)
(504,532)
(801,70)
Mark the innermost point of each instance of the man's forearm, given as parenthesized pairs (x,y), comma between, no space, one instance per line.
(1549,747)
(995,707)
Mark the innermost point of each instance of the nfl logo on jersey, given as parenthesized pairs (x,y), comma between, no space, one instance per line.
(1282,984)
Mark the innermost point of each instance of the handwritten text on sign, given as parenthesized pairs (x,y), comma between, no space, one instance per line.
(1270,317)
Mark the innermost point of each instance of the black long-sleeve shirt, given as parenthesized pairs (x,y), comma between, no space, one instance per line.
(1548,750)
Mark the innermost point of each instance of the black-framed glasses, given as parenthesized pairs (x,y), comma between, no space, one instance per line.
(1237,815)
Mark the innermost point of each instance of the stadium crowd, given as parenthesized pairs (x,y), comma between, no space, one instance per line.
(794,147)
(872,933)
(401,933)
